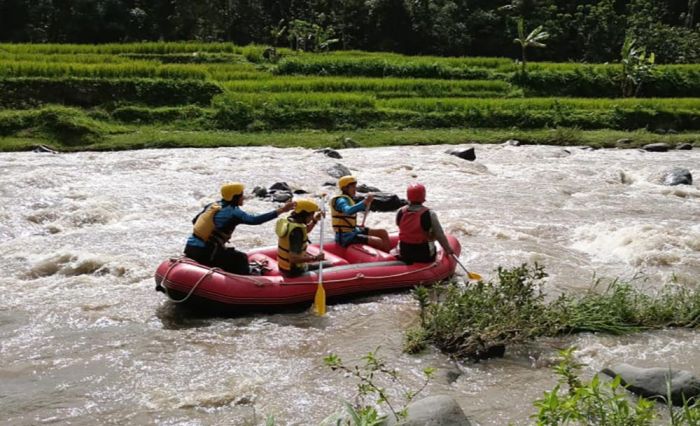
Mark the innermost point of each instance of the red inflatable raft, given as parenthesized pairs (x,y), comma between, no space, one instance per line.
(356,269)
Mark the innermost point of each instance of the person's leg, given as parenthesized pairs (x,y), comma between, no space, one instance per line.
(199,255)
(234,261)
(379,239)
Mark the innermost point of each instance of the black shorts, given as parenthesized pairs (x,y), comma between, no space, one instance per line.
(359,236)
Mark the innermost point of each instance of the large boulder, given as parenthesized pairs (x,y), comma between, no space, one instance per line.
(655,382)
(279,192)
(677,176)
(468,154)
(656,147)
(44,148)
(280,186)
(684,146)
(366,188)
(338,170)
(438,410)
(385,202)
(328,152)
(260,191)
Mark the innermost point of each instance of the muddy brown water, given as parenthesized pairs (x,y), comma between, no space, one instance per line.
(85,339)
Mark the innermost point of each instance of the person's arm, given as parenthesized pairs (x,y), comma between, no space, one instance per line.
(249,219)
(438,233)
(317,218)
(342,205)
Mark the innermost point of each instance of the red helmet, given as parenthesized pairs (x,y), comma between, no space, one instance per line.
(415,193)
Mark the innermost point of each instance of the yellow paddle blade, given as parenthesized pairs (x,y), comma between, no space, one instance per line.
(320,300)
(474,276)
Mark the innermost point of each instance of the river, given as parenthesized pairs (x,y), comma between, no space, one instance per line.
(85,339)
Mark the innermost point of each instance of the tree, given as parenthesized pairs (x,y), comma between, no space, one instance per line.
(637,67)
(310,37)
(534,39)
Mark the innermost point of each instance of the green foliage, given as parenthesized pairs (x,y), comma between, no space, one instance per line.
(371,378)
(472,322)
(581,31)
(574,401)
(310,37)
(386,65)
(67,126)
(31,91)
(637,67)
(534,39)
(476,321)
(189,115)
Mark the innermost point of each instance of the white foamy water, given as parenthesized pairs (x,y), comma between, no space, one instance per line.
(85,338)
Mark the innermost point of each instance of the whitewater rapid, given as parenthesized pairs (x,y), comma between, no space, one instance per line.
(84,338)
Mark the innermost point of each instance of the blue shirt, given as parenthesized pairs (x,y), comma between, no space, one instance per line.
(229,217)
(343,206)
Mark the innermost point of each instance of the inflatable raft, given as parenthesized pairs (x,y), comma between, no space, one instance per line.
(356,269)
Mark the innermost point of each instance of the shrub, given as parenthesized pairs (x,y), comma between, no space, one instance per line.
(482,319)
(589,403)
(191,114)
(27,91)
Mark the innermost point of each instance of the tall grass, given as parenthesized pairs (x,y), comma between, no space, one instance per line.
(116,70)
(395,86)
(553,104)
(470,322)
(74,58)
(299,100)
(116,48)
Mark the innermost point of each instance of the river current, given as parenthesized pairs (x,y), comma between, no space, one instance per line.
(85,339)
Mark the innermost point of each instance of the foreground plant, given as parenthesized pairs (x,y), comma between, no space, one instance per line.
(371,378)
(574,401)
(481,320)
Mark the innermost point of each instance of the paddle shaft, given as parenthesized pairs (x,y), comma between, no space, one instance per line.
(364,218)
(469,274)
(320,296)
(320,243)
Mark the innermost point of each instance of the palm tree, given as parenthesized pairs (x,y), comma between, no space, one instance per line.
(534,39)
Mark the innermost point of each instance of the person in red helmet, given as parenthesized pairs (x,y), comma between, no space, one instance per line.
(419,227)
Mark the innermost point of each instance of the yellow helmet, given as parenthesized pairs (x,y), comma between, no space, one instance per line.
(306,205)
(345,181)
(230,190)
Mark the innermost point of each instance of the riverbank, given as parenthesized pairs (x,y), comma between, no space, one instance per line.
(158,95)
(154,137)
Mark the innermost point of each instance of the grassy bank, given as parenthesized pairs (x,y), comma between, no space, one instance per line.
(135,137)
(139,95)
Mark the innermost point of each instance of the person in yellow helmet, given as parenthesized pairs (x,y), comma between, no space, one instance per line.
(344,218)
(214,225)
(293,239)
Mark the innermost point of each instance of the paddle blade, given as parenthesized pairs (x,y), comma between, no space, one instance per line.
(320,300)
(474,276)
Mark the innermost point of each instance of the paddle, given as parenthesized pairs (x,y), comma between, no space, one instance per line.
(364,218)
(320,297)
(471,275)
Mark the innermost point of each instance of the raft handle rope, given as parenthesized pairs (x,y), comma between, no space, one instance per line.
(175,262)
(259,283)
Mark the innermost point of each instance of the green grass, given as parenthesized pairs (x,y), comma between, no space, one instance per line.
(147,136)
(154,91)
(379,86)
(141,69)
(470,322)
